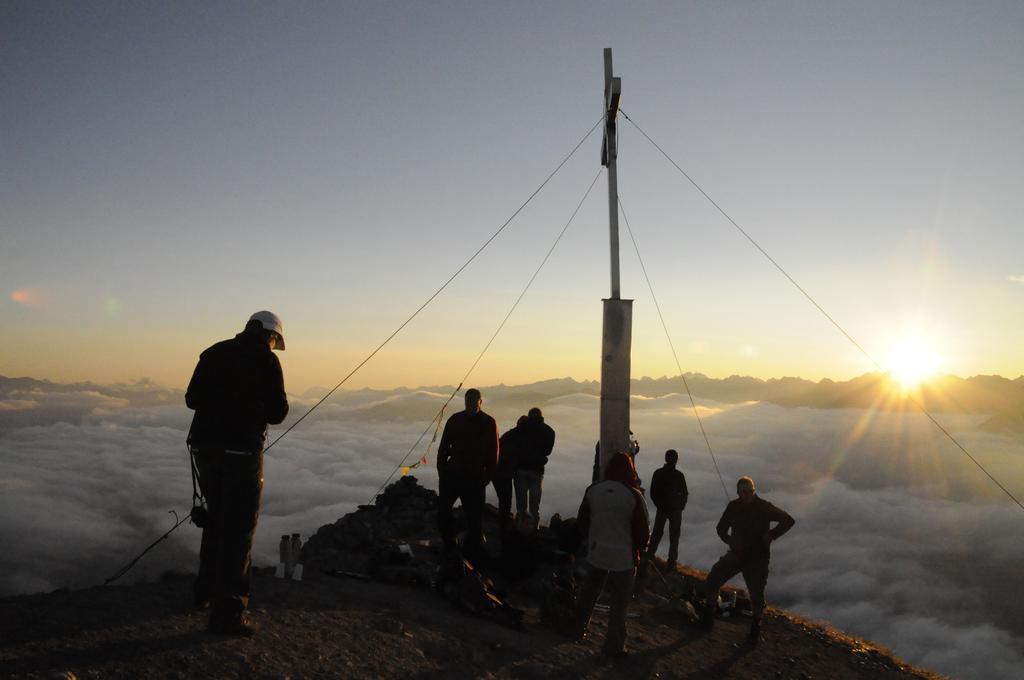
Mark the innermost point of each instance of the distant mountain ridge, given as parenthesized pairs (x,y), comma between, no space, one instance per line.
(996,396)
(981,394)
(28,401)
(143,392)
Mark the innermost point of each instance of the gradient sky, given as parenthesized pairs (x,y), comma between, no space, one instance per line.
(169,168)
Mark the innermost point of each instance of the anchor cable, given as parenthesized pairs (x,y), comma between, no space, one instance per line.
(439,290)
(920,405)
(672,346)
(440,414)
(126,568)
(379,347)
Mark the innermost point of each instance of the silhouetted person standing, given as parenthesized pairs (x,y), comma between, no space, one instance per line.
(536,446)
(504,474)
(745,527)
(237,389)
(466,460)
(669,494)
(613,518)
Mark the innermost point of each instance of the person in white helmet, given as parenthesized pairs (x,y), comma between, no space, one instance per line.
(237,389)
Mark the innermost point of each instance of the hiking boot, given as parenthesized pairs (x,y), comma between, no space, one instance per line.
(242,627)
(754,636)
(671,565)
(706,622)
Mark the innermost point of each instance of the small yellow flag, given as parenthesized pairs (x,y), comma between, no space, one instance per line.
(405,470)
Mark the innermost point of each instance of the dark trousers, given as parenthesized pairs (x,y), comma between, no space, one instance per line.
(232,483)
(529,485)
(620,589)
(675,521)
(755,574)
(503,489)
(472,494)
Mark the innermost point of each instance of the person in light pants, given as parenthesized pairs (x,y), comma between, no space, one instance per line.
(537,441)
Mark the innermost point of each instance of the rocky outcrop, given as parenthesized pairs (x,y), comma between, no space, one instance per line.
(398,530)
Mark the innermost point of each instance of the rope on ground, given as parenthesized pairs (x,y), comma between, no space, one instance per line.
(916,402)
(673,595)
(197,500)
(126,568)
(672,346)
(438,418)
(443,286)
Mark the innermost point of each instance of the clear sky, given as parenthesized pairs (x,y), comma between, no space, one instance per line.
(168,168)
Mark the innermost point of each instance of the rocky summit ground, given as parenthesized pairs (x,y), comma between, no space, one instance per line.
(328,627)
(371,605)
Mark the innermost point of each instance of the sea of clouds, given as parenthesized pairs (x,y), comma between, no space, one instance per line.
(899,537)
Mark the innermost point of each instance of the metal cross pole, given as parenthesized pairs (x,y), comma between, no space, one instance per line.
(609,152)
(617,323)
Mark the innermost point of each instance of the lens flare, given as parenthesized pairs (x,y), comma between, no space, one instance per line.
(29,297)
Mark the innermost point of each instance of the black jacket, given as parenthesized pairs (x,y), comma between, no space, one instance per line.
(469,448)
(236,390)
(535,445)
(668,489)
(508,453)
(745,527)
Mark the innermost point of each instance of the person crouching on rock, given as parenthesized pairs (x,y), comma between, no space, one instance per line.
(745,527)
(613,517)
(466,460)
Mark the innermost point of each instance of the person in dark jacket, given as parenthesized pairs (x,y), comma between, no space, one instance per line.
(466,460)
(613,518)
(536,445)
(669,494)
(237,389)
(746,528)
(505,472)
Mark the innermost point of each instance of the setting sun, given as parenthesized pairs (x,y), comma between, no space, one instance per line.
(912,361)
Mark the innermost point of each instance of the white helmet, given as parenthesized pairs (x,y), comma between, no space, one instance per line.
(271,322)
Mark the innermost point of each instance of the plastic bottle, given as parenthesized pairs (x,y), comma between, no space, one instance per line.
(294,553)
(284,549)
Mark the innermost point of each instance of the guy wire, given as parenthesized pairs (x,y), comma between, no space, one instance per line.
(672,346)
(920,405)
(438,417)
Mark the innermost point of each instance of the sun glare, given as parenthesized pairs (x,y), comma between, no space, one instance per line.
(912,361)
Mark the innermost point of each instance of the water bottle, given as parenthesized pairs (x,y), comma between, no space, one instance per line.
(293,554)
(284,550)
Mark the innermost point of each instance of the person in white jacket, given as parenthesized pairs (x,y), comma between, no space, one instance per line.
(613,517)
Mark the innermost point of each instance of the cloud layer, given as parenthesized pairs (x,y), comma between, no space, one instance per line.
(899,538)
